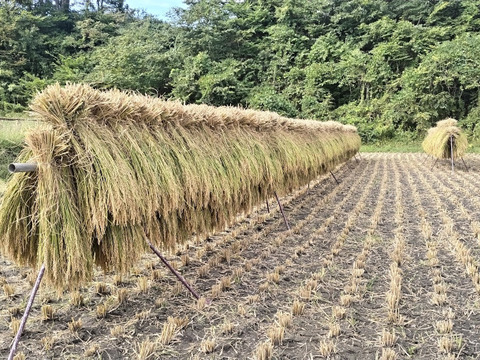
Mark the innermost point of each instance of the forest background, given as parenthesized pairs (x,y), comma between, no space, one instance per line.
(392,68)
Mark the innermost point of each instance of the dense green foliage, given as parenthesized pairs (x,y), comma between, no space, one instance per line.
(390,67)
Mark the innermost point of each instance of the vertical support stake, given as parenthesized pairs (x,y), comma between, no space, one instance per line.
(175,272)
(451,151)
(281,210)
(435,163)
(425,159)
(13,350)
(334,177)
(466,167)
(268,205)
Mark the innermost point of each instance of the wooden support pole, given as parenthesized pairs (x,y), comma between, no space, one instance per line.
(435,163)
(426,158)
(281,210)
(268,206)
(451,151)
(13,350)
(334,177)
(466,167)
(175,272)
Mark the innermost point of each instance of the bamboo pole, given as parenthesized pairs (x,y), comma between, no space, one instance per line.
(334,177)
(466,167)
(451,151)
(175,272)
(26,313)
(281,210)
(426,158)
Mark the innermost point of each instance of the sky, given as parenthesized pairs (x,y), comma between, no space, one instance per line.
(153,7)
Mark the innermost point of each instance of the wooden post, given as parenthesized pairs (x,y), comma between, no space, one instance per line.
(334,178)
(451,151)
(426,158)
(268,205)
(466,167)
(175,272)
(281,210)
(13,350)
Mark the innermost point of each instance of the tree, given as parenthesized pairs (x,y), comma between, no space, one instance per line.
(445,84)
(140,58)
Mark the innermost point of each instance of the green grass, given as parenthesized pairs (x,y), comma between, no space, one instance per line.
(407,146)
(393,146)
(3,187)
(12,134)
(16,115)
(474,148)
(14,131)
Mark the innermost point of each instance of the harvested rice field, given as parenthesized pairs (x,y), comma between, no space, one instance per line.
(384,265)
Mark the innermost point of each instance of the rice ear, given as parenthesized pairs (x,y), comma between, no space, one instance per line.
(437,141)
(449,122)
(116,167)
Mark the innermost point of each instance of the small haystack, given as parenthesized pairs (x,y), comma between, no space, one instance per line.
(117,168)
(437,142)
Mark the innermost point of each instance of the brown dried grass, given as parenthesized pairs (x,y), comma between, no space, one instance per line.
(437,141)
(115,168)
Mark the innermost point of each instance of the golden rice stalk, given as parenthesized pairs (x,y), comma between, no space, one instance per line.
(116,168)
(438,144)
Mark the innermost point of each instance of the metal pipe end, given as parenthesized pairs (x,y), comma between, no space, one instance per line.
(22,167)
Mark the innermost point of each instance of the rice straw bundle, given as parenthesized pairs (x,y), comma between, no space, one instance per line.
(116,168)
(437,141)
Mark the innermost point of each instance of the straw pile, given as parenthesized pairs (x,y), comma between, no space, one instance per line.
(437,141)
(116,168)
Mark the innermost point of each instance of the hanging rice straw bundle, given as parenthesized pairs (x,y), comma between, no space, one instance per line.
(115,169)
(441,139)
